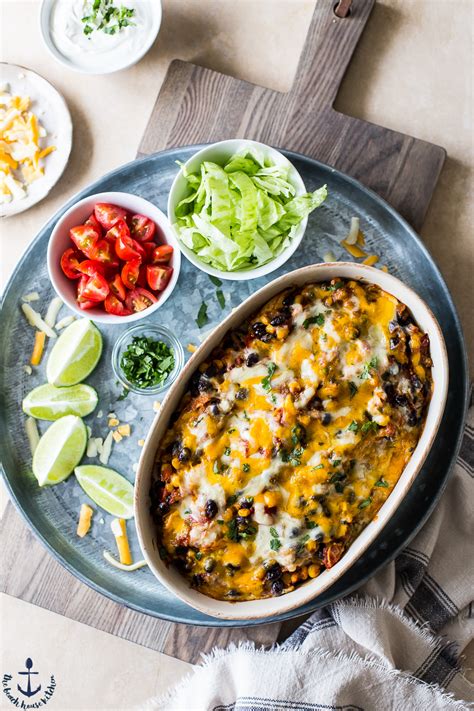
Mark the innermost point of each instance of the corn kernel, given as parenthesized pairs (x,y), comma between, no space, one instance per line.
(305,420)
(304,573)
(294,387)
(270,329)
(313,571)
(264,320)
(282,332)
(227,515)
(176,463)
(244,512)
(294,577)
(113,422)
(124,430)
(175,481)
(141,442)
(156,405)
(191,348)
(286,578)
(311,545)
(117,436)
(271,498)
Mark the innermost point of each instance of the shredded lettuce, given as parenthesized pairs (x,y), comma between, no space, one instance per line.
(243,214)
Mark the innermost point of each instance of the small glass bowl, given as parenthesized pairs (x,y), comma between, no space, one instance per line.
(159,333)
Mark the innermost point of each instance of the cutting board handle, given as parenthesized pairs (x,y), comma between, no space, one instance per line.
(327,51)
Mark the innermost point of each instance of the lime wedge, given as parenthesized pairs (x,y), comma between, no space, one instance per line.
(75,354)
(46,402)
(59,450)
(108,489)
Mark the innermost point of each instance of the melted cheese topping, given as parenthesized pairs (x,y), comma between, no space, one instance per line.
(289,442)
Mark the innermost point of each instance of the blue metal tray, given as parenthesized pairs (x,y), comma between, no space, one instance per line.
(52,512)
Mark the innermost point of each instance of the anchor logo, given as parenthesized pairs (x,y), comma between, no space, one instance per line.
(28,691)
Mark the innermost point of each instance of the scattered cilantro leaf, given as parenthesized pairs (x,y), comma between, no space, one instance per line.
(371,365)
(352,389)
(220,298)
(370,426)
(366,502)
(215,280)
(202,317)
(266,382)
(318,320)
(246,467)
(382,482)
(353,427)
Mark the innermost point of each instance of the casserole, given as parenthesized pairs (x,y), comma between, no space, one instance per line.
(259,608)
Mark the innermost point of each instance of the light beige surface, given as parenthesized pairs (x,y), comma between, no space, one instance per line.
(411,72)
(92,669)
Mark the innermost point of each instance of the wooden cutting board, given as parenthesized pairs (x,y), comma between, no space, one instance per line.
(198,105)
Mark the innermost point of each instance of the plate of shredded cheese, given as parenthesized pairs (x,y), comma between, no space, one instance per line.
(35,138)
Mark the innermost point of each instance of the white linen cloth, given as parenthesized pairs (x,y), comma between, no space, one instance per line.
(396,645)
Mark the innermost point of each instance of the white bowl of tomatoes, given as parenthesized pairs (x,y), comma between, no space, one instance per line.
(114,257)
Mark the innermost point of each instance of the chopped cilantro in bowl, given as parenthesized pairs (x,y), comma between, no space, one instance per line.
(147,359)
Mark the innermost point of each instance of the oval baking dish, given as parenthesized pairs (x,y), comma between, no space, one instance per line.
(261,608)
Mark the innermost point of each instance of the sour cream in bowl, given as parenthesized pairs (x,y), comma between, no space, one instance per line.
(99,37)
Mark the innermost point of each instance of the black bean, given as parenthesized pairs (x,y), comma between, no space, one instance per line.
(246,504)
(295,532)
(198,579)
(252,358)
(273,572)
(326,418)
(210,509)
(392,326)
(184,454)
(267,337)
(163,508)
(209,565)
(214,410)
(233,593)
(400,400)
(394,342)
(175,448)
(259,329)
(278,319)
(289,298)
(277,587)
(242,394)
(412,418)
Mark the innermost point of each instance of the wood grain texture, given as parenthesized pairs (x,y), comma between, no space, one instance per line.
(197,105)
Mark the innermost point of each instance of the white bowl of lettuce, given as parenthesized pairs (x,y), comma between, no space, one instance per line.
(239,209)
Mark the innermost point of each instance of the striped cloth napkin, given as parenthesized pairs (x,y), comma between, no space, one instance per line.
(396,645)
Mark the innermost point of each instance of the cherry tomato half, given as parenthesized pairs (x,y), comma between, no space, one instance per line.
(85,237)
(158,276)
(125,249)
(113,306)
(96,288)
(70,263)
(120,229)
(162,254)
(94,222)
(103,251)
(91,267)
(108,215)
(117,287)
(142,228)
(140,299)
(130,273)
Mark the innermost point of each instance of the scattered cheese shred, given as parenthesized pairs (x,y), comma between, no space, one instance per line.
(91,448)
(113,422)
(384,268)
(117,436)
(34,296)
(354,231)
(38,348)
(353,249)
(371,260)
(32,433)
(35,320)
(85,520)
(141,442)
(62,323)
(156,405)
(119,529)
(191,347)
(106,449)
(53,310)
(21,135)
(361,239)
(329,257)
(124,430)
(128,568)
(27,369)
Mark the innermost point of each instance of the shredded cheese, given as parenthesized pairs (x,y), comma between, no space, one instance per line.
(119,529)
(32,433)
(85,520)
(128,568)
(38,348)
(35,320)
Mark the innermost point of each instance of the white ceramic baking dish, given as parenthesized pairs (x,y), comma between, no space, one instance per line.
(260,609)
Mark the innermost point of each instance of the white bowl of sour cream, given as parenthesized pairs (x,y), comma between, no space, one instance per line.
(101,36)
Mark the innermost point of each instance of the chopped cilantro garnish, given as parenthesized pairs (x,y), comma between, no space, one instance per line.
(352,389)
(310,524)
(266,382)
(220,298)
(187,511)
(216,467)
(275,544)
(232,429)
(318,320)
(336,462)
(382,482)
(220,521)
(198,555)
(353,427)
(232,531)
(273,532)
(318,466)
(371,365)
(246,467)
(366,502)
(370,426)
(104,15)
(202,317)
(147,362)
(227,451)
